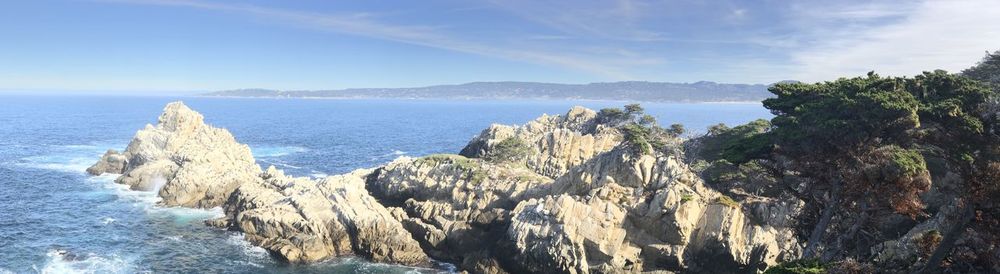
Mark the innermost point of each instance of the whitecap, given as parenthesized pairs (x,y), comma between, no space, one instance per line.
(60,262)
(147,200)
(63,162)
(107,220)
(65,158)
(238,239)
(279,163)
(319,175)
(276,151)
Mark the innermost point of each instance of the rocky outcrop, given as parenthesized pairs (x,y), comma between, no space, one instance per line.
(188,162)
(575,234)
(305,220)
(558,142)
(608,212)
(112,162)
(670,221)
(578,202)
(456,207)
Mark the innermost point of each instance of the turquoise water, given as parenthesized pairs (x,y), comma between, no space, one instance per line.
(56,219)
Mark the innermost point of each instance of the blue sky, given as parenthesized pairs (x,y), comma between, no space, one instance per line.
(200,45)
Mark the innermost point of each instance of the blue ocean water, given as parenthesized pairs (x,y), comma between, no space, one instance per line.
(56,219)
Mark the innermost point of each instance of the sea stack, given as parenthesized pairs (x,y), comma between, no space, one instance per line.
(188,162)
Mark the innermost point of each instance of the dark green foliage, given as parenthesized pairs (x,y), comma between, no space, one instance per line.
(736,145)
(508,150)
(987,70)
(804,266)
(612,116)
(640,139)
(472,168)
(640,130)
(826,121)
(676,130)
(647,120)
(634,109)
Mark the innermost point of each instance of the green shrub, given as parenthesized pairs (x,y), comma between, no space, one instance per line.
(804,266)
(508,150)
(726,200)
(473,169)
(686,197)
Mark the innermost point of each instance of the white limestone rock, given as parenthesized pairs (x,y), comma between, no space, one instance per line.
(188,162)
(558,142)
(305,220)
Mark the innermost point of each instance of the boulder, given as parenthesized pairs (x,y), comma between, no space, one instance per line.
(112,162)
(305,220)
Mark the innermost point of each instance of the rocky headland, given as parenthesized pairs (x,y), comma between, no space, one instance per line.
(560,194)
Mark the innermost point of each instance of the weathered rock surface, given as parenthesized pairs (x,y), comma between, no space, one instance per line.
(187,161)
(575,234)
(608,211)
(305,220)
(665,211)
(456,207)
(579,202)
(559,142)
(112,162)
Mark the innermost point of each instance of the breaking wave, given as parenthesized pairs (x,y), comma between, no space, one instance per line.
(62,261)
(66,158)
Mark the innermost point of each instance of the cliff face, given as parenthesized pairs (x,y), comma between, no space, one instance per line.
(186,161)
(577,202)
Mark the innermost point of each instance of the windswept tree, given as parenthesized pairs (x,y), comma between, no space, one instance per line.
(641,131)
(961,127)
(835,131)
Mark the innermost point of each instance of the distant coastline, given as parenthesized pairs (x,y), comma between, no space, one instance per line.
(698,92)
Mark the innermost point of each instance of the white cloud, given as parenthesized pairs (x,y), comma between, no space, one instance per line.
(949,35)
(362,24)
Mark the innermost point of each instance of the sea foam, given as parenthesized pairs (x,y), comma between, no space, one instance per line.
(275,151)
(147,201)
(66,158)
(60,261)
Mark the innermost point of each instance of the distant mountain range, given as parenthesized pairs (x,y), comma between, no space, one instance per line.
(628,91)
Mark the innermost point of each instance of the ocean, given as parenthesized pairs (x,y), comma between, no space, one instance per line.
(54,218)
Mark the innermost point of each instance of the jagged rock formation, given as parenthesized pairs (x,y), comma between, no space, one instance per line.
(579,202)
(558,142)
(667,213)
(607,211)
(188,162)
(304,220)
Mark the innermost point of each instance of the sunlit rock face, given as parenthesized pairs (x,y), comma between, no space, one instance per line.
(558,142)
(188,162)
(307,220)
(578,201)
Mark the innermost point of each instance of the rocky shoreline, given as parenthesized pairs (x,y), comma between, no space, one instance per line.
(577,201)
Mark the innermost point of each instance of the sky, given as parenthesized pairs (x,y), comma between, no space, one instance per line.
(205,45)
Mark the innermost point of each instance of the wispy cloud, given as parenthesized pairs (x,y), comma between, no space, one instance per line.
(361,24)
(729,41)
(948,35)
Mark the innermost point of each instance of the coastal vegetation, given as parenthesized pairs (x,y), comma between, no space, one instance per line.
(856,151)
(854,175)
